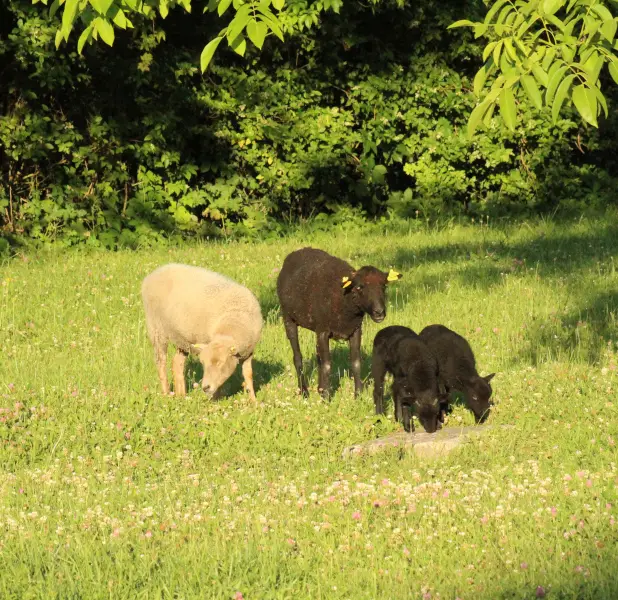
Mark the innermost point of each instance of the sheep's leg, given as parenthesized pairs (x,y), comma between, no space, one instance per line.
(160,352)
(355,360)
(408,423)
(178,371)
(324,364)
(291,330)
(378,372)
(247,373)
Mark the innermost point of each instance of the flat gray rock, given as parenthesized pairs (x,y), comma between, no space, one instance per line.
(427,445)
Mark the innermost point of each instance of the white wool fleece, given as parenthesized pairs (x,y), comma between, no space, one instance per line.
(188,305)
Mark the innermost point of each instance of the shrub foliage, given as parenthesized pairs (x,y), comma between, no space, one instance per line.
(365,114)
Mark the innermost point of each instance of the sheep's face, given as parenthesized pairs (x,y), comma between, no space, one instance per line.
(429,413)
(478,394)
(367,287)
(219,362)
(429,406)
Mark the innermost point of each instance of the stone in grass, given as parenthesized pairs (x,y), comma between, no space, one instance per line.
(427,445)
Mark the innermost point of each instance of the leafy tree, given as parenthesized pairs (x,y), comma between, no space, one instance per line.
(553,51)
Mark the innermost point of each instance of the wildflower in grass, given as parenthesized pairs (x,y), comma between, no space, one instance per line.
(406,552)
(540,592)
(356,516)
(239,596)
(523,566)
(148,534)
(554,511)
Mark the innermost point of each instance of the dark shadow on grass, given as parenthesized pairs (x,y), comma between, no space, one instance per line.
(555,254)
(263,373)
(580,334)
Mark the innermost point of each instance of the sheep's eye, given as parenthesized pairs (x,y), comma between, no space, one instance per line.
(358,288)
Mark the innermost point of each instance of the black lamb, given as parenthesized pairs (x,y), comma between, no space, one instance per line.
(458,368)
(325,294)
(416,379)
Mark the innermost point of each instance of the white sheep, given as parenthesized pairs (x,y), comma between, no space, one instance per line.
(205,313)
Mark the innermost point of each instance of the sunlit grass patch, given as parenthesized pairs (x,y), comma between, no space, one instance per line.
(110,490)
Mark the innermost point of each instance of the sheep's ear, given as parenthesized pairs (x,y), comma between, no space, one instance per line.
(488,378)
(393,276)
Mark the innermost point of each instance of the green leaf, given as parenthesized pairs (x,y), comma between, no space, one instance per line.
(496,52)
(541,75)
(586,103)
(489,114)
(548,59)
(508,110)
(239,45)
(256,31)
(600,98)
(121,20)
(105,29)
(53,9)
(271,21)
(68,18)
(59,38)
(476,117)
(486,52)
(608,28)
(593,67)
(551,6)
(613,71)
(554,81)
(278,4)
(479,79)
(461,23)
(532,89)
(83,38)
(561,94)
(508,44)
(208,51)
(101,6)
(379,171)
(238,23)
(480,29)
(223,6)
(496,6)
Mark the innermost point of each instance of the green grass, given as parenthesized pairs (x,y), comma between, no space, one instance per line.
(108,490)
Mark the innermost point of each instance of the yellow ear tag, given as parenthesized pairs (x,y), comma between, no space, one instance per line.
(233,350)
(393,276)
(199,346)
(346,282)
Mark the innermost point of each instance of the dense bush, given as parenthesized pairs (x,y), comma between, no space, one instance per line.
(366,113)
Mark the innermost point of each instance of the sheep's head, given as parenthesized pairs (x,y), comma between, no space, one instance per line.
(219,360)
(429,405)
(367,287)
(478,393)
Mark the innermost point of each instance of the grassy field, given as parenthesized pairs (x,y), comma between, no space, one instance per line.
(109,490)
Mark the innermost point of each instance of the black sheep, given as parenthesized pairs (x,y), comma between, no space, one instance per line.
(325,294)
(458,368)
(416,380)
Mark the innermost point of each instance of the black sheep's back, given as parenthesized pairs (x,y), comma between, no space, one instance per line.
(310,292)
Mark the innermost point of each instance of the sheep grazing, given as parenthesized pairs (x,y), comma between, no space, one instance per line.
(458,368)
(326,295)
(204,313)
(417,385)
